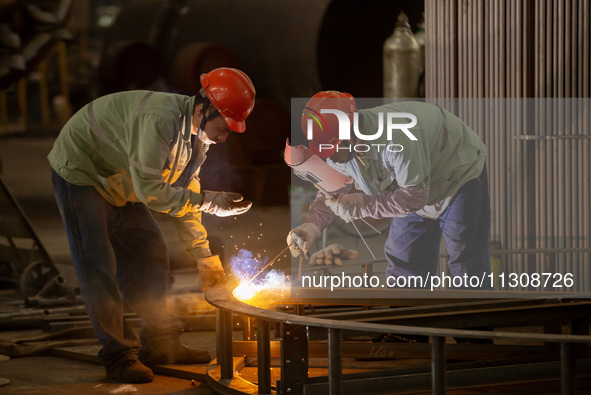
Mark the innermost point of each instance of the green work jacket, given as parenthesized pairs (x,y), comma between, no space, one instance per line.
(132,146)
(446,155)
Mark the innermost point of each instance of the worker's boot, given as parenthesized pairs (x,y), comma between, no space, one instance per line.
(162,345)
(188,355)
(131,371)
(174,352)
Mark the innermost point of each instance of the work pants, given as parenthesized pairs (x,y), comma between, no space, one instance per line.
(120,259)
(412,247)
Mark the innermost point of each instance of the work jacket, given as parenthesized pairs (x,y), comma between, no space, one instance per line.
(132,147)
(423,176)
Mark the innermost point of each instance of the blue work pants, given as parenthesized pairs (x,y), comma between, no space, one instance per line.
(412,248)
(121,259)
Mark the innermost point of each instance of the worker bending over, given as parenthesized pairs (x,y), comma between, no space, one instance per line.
(433,185)
(117,159)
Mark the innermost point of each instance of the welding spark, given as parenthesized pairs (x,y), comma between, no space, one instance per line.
(244,265)
(244,292)
(272,287)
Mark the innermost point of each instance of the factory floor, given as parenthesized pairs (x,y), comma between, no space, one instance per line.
(64,376)
(74,369)
(25,171)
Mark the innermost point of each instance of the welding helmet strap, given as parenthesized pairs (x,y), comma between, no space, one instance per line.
(185,178)
(204,117)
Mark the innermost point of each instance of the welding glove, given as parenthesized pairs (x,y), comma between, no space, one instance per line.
(224,204)
(334,254)
(349,207)
(300,239)
(211,271)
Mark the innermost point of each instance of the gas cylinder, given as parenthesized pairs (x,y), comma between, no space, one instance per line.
(402,61)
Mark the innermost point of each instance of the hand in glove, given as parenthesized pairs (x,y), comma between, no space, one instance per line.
(211,271)
(333,254)
(349,207)
(301,238)
(224,204)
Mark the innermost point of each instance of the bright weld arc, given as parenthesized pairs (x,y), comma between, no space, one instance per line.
(271,262)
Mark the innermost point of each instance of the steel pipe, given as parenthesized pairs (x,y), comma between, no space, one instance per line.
(539,185)
(335,362)
(438,362)
(224,343)
(567,369)
(264,356)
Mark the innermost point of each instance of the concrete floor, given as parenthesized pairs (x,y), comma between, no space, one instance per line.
(61,376)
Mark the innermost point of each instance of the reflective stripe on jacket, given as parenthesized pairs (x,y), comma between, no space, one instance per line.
(132,146)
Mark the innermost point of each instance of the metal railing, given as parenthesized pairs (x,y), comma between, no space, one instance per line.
(294,348)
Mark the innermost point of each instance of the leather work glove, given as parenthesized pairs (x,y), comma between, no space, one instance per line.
(224,204)
(349,207)
(211,272)
(300,239)
(333,254)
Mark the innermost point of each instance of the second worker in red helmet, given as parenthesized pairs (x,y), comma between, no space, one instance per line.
(432,185)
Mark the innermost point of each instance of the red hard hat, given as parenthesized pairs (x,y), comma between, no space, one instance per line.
(232,93)
(325,129)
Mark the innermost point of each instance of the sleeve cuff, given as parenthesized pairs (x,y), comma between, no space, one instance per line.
(196,199)
(200,252)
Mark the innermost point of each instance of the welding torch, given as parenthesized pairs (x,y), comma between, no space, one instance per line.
(271,262)
(306,254)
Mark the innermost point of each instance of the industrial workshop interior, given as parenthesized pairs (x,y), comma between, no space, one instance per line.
(194,198)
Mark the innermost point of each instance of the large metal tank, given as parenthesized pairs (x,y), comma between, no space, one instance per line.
(290,48)
(402,61)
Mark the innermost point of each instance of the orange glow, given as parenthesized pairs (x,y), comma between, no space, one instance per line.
(274,288)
